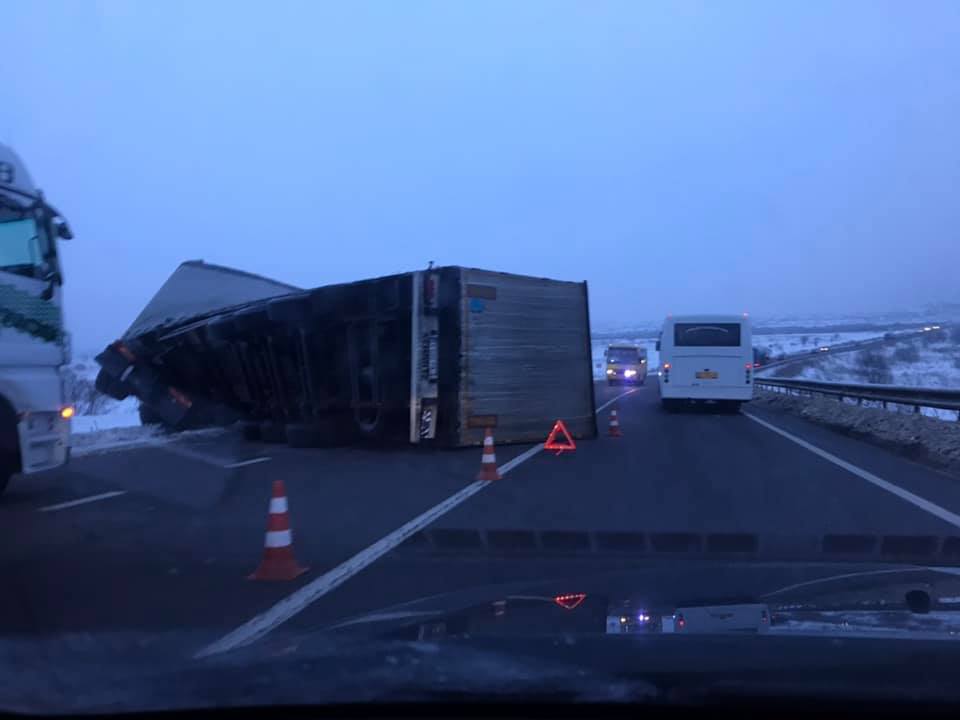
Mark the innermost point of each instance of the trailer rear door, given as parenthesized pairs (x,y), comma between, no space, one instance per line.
(525,357)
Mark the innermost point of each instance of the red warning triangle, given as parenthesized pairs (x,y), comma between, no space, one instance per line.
(552,444)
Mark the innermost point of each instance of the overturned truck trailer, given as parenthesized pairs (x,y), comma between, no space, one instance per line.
(428,357)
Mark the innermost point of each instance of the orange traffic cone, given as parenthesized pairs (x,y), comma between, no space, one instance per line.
(614,424)
(488,462)
(278,561)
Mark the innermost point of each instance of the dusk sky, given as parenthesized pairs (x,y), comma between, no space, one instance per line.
(776,157)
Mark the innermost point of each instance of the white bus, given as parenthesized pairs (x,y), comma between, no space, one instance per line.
(706,358)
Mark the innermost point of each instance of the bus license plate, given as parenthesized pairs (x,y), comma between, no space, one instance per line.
(707,375)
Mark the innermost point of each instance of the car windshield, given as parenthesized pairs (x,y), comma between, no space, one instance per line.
(409,350)
(623,355)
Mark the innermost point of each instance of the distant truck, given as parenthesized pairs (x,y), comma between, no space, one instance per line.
(626,364)
(34,346)
(428,357)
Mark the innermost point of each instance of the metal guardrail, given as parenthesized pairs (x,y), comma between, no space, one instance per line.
(917,398)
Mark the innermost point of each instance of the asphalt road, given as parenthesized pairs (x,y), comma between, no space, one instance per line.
(163,561)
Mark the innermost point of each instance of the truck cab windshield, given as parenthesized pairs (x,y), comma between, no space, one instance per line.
(21,251)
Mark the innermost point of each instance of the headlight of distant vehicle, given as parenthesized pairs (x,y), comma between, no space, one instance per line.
(611,372)
(629,373)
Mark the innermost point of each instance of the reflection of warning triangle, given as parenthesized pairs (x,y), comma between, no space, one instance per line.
(552,444)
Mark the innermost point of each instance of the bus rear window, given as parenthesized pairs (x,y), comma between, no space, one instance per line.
(706,335)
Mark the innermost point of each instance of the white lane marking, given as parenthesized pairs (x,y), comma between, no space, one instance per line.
(916,500)
(244,463)
(194,455)
(82,501)
(302,598)
(299,600)
(610,402)
(212,459)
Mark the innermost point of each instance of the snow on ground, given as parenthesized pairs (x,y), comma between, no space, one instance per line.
(913,364)
(96,412)
(115,414)
(796,342)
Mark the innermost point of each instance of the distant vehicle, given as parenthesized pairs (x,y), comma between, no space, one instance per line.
(928,328)
(626,364)
(824,348)
(742,618)
(706,358)
(34,347)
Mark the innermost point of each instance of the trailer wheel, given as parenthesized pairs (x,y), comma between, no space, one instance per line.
(272,432)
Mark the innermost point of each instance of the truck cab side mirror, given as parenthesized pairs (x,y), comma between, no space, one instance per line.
(63,230)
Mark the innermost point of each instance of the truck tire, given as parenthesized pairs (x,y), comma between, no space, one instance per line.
(669,404)
(730,407)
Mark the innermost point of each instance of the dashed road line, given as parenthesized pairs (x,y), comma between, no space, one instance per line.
(82,501)
(920,502)
(244,463)
(299,600)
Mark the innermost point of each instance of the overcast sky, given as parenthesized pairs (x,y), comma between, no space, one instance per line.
(776,157)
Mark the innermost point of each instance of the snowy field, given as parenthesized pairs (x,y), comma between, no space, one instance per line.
(917,363)
(797,342)
(930,361)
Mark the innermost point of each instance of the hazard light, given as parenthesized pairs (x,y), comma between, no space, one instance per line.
(570,600)
(666,366)
(67,412)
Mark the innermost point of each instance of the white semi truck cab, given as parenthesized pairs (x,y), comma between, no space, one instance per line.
(34,346)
